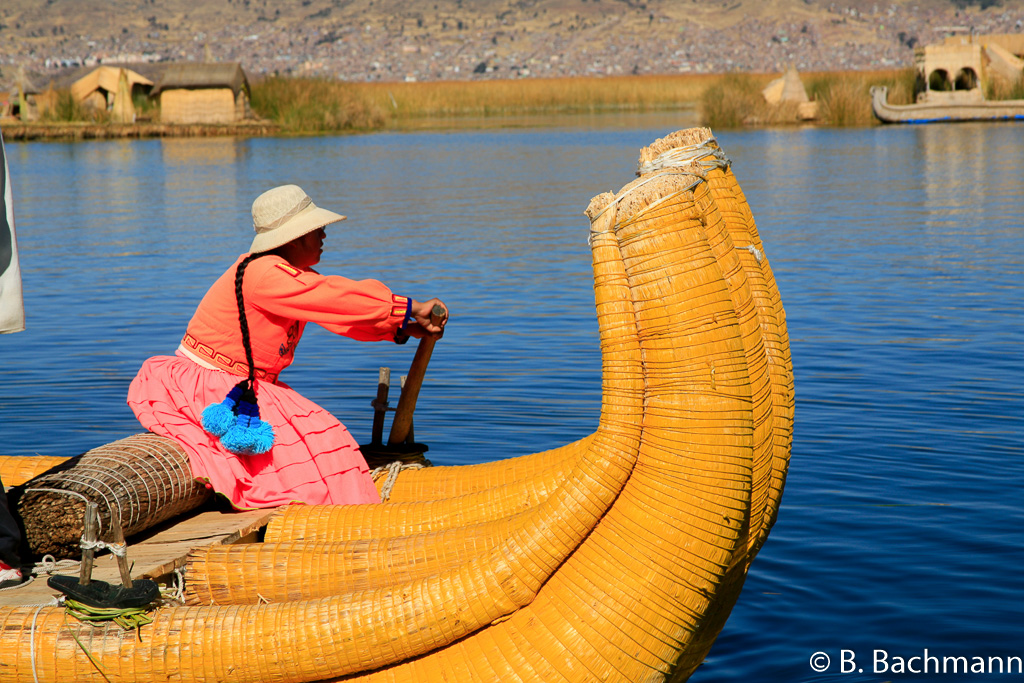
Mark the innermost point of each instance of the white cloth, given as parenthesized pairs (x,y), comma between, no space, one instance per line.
(12,310)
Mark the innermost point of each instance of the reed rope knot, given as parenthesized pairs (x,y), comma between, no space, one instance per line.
(118,549)
(392,470)
(758,256)
(704,154)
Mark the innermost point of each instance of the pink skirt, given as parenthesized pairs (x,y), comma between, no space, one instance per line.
(314,459)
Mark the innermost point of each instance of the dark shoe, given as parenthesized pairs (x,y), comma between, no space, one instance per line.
(103,594)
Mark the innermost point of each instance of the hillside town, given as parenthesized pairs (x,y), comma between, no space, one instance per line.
(633,39)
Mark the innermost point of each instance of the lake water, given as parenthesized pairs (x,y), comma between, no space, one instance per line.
(899,253)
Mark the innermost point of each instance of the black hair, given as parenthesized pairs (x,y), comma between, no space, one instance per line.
(242,322)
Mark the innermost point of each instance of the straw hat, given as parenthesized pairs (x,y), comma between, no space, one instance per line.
(286,213)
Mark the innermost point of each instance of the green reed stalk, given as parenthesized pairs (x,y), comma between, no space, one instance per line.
(314,105)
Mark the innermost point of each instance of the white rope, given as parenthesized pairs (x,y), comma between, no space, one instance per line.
(155,461)
(32,643)
(81,472)
(95,466)
(99,519)
(177,592)
(758,256)
(704,154)
(49,564)
(118,549)
(392,470)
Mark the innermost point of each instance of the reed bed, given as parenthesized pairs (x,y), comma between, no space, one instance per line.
(735,100)
(536,96)
(1001,90)
(843,98)
(314,105)
(308,105)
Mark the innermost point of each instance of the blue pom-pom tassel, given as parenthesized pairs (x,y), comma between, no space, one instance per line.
(249,435)
(237,440)
(218,418)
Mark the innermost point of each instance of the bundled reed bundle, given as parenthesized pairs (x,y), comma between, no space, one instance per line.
(614,558)
(137,482)
(16,470)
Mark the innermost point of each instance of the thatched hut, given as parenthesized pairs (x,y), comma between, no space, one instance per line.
(203,93)
(786,88)
(98,88)
(22,98)
(790,88)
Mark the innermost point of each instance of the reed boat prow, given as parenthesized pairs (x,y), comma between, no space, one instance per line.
(616,558)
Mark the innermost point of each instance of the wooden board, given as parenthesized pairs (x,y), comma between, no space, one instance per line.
(158,552)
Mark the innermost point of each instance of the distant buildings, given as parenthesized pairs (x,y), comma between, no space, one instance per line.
(958,69)
(600,39)
(193,92)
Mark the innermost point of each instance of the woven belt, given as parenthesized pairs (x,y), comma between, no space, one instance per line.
(224,361)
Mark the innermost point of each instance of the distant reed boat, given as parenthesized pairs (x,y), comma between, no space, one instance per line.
(950,76)
(933,112)
(614,558)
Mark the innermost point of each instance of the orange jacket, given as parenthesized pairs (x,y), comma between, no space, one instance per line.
(279,300)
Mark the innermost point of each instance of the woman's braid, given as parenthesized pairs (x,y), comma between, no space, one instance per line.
(246,342)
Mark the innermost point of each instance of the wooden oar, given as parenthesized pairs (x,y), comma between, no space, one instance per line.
(402,422)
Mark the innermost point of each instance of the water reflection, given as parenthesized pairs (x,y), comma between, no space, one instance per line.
(956,166)
(217,151)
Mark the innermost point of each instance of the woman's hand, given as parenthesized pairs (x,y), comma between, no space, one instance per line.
(426,324)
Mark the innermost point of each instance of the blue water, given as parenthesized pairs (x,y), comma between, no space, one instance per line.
(899,253)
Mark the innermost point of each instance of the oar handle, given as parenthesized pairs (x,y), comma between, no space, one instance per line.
(402,423)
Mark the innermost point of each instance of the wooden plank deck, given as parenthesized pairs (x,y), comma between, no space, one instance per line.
(158,551)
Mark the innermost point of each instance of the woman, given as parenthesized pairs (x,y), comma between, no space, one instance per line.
(246,328)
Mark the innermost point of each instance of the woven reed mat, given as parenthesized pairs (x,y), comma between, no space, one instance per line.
(141,480)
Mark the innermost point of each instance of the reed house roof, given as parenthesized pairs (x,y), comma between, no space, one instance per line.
(197,76)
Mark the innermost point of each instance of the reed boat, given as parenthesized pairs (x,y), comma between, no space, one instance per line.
(617,557)
(976,109)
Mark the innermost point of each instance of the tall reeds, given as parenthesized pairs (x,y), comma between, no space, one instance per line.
(535,95)
(999,89)
(843,98)
(66,110)
(735,100)
(314,105)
